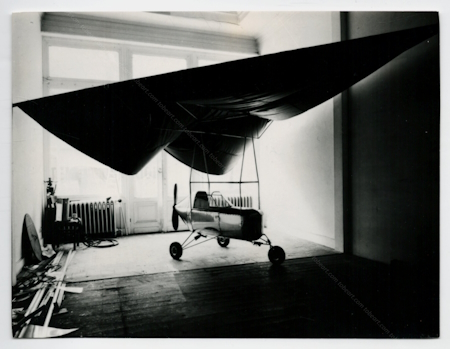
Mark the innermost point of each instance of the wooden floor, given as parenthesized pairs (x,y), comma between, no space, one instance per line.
(329,296)
(149,254)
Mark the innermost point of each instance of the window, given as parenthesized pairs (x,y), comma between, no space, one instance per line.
(72,64)
(152,65)
(78,174)
(210,61)
(76,63)
(205,62)
(146,181)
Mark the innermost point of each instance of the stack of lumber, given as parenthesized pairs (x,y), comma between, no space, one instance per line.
(41,288)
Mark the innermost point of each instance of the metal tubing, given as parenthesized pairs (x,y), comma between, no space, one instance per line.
(181,106)
(227,182)
(257,174)
(187,239)
(206,166)
(240,179)
(199,242)
(202,132)
(190,181)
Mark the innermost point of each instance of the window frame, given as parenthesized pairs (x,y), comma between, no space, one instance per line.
(125,50)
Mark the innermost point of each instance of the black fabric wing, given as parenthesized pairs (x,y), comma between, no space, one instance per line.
(201,116)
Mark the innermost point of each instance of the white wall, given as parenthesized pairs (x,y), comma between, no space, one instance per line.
(281,31)
(297,158)
(27,137)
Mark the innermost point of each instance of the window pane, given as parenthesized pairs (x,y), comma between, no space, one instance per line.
(69,86)
(204,62)
(66,62)
(177,173)
(57,90)
(153,65)
(78,174)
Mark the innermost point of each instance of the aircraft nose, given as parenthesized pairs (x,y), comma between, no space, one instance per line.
(182,208)
(182,211)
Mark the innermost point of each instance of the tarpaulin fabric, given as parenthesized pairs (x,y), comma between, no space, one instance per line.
(201,116)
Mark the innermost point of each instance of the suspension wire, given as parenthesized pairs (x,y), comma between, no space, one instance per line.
(190,181)
(240,179)
(206,165)
(257,174)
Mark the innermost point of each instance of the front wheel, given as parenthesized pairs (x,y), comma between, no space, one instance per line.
(276,255)
(223,242)
(176,250)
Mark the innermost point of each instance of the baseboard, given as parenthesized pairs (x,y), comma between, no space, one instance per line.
(319,239)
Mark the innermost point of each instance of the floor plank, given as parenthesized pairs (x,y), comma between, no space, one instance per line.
(335,296)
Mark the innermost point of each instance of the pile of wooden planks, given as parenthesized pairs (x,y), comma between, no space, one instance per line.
(46,282)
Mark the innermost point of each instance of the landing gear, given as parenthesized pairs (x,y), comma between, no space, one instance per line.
(223,242)
(276,255)
(176,250)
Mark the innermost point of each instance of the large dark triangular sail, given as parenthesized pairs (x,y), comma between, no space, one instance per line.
(211,109)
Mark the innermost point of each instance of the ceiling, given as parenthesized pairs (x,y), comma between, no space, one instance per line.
(218,22)
(231,17)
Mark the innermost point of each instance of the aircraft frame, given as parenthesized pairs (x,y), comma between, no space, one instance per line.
(213,217)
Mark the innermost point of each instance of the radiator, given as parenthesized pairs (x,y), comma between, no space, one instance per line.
(244,201)
(98,217)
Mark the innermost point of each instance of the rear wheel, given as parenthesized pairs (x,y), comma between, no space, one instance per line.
(276,255)
(223,242)
(176,250)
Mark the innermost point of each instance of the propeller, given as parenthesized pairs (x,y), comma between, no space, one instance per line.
(174,211)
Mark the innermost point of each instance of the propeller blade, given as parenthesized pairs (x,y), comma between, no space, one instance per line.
(174,211)
(175,190)
(175,219)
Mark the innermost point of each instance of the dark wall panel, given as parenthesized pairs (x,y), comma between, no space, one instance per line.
(394,148)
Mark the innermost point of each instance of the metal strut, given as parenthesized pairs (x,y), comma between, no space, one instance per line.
(199,243)
(264,241)
(187,238)
(185,245)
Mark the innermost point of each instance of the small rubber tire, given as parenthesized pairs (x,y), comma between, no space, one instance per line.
(223,242)
(276,255)
(176,250)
